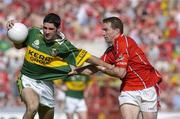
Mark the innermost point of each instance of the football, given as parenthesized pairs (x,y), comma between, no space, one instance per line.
(18,33)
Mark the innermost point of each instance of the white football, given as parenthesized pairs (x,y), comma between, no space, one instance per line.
(18,33)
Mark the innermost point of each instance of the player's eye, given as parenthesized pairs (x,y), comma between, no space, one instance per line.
(104,29)
(46,28)
(51,28)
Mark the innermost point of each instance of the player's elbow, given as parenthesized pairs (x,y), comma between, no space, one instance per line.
(121,76)
(121,73)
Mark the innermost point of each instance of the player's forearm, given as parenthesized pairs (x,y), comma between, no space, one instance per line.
(98,62)
(89,69)
(115,72)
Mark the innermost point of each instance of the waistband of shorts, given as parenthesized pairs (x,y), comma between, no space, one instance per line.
(35,80)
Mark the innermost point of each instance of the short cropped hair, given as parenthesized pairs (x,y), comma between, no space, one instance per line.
(115,23)
(52,18)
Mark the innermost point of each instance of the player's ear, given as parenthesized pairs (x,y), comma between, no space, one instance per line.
(117,31)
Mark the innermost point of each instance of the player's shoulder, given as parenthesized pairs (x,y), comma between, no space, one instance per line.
(124,37)
(128,39)
(35,29)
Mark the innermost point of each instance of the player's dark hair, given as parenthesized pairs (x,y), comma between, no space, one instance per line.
(52,18)
(115,23)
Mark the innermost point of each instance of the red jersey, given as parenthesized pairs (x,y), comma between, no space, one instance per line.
(125,53)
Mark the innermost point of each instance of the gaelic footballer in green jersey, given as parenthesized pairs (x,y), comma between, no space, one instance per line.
(49,55)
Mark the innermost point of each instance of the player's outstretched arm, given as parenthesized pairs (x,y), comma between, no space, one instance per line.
(88,69)
(107,68)
(98,62)
(99,65)
(91,69)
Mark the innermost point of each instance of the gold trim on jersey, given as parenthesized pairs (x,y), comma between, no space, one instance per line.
(76,86)
(58,82)
(82,57)
(36,57)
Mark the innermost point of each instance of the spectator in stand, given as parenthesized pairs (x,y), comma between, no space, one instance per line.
(4,88)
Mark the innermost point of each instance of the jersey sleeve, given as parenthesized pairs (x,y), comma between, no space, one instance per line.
(73,55)
(121,49)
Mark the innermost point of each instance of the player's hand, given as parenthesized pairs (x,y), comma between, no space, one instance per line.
(101,68)
(73,72)
(10,24)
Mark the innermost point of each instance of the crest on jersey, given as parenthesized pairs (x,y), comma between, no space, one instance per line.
(36,44)
(54,52)
(120,58)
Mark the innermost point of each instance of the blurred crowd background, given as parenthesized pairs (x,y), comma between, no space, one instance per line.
(154,25)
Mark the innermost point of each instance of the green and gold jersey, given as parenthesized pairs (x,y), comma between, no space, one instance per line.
(76,85)
(49,61)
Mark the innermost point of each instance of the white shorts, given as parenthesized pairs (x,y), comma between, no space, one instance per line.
(60,95)
(45,89)
(75,105)
(146,99)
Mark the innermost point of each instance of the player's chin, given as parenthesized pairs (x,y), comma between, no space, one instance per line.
(48,40)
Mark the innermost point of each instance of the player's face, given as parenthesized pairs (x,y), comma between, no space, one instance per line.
(50,31)
(109,33)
